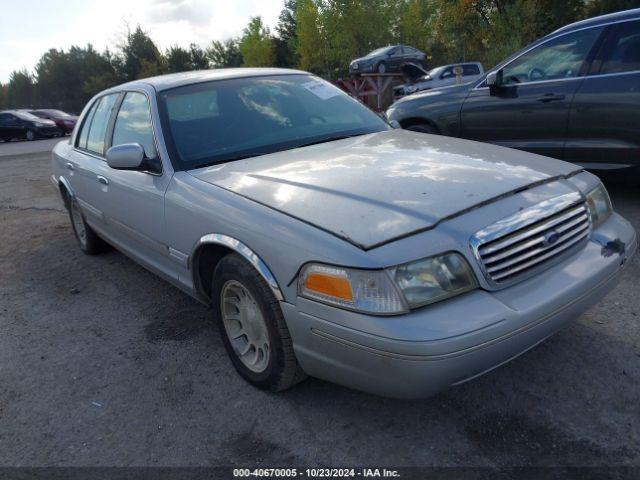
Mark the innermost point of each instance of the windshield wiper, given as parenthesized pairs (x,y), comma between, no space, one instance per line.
(328,139)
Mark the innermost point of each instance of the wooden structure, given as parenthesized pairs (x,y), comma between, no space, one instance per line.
(376,85)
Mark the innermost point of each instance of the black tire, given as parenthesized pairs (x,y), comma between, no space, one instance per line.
(282,370)
(30,135)
(423,128)
(381,67)
(89,241)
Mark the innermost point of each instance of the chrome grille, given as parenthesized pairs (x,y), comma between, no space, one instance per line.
(519,245)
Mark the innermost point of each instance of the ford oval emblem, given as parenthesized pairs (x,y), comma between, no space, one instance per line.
(551,237)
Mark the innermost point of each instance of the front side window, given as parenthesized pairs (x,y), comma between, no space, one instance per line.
(562,57)
(624,49)
(5,118)
(133,124)
(447,73)
(94,128)
(223,120)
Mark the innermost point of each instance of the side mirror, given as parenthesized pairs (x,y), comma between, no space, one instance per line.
(129,156)
(494,82)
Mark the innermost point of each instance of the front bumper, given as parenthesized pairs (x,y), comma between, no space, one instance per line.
(430,349)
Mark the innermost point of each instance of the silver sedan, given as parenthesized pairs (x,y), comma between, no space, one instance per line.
(330,244)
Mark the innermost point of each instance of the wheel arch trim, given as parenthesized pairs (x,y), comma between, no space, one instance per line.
(237,246)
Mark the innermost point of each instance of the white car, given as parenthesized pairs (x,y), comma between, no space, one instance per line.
(420,79)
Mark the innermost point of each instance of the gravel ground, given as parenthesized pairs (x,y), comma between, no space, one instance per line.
(104,364)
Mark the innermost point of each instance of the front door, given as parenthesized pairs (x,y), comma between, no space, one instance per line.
(530,110)
(134,200)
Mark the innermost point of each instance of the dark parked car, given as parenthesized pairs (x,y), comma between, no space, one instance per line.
(65,122)
(386,59)
(18,124)
(572,95)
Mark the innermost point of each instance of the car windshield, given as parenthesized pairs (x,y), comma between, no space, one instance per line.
(224,120)
(55,113)
(28,116)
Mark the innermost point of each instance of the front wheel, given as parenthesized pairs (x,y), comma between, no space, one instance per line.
(252,326)
(382,67)
(30,135)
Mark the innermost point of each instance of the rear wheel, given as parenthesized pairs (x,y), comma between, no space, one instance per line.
(252,326)
(30,135)
(89,241)
(423,128)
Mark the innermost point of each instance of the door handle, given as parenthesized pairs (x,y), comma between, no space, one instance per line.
(551,97)
(69,166)
(102,180)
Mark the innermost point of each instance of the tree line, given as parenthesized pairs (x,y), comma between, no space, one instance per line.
(321,36)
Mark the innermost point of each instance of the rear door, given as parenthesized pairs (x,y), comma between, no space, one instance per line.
(531,110)
(604,123)
(86,161)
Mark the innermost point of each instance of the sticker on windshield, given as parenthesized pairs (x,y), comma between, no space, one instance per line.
(321,89)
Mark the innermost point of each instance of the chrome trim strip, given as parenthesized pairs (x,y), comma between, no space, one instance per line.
(90,208)
(539,260)
(516,238)
(532,242)
(501,266)
(178,256)
(246,252)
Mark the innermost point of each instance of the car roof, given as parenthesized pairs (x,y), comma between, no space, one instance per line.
(601,20)
(173,80)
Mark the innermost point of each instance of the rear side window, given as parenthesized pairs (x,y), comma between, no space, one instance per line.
(447,73)
(94,128)
(623,49)
(133,123)
(470,69)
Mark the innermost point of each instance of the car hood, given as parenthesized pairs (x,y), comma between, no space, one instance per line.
(372,189)
(413,71)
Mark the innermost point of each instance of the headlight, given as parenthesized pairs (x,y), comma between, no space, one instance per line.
(599,205)
(369,291)
(434,279)
(391,291)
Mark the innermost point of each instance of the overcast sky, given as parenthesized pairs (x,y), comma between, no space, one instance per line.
(28,28)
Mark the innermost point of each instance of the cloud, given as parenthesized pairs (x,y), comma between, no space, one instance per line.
(193,12)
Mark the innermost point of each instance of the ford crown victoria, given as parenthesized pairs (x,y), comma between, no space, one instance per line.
(330,244)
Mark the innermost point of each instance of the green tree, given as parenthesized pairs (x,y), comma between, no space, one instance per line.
(20,90)
(140,56)
(177,59)
(3,96)
(311,43)
(601,7)
(225,54)
(197,58)
(287,36)
(256,45)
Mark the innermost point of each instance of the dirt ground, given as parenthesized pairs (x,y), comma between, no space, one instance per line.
(104,364)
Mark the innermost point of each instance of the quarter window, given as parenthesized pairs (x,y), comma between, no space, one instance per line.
(624,48)
(562,57)
(133,124)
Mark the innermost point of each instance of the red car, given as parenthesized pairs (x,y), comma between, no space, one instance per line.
(65,122)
